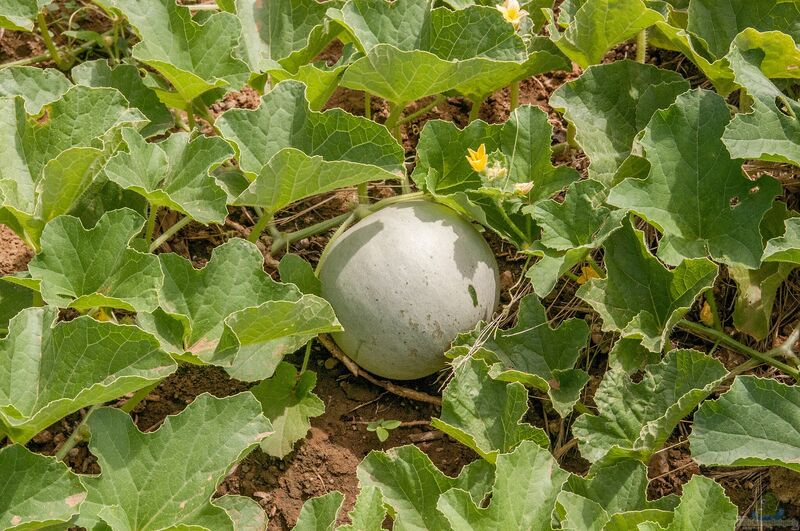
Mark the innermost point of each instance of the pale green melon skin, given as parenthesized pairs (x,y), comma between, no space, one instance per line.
(399,281)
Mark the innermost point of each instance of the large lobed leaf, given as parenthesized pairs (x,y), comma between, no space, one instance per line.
(756,423)
(195,58)
(636,418)
(96,267)
(50,369)
(695,193)
(165,478)
(485,414)
(19,14)
(50,159)
(641,298)
(36,491)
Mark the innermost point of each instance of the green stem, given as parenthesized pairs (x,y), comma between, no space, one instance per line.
(363,194)
(561,147)
(343,227)
(597,267)
(205,113)
(571,142)
(138,396)
(367,106)
(259,227)
(641,46)
(393,124)
(190,118)
(739,347)
(712,303)
(169,233)
(508,220)
(306,357)
(424,110)
(80,434)
(36,298)
(514,95)
(151,224)
(328,224)
(580,407)
(48,42)
(474,110)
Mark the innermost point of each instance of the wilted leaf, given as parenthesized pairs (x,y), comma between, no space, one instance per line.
(90,268)
(638,417)
(640,298)
(36,491)
(50,370)
(756,423)
(485,414)
(165,478)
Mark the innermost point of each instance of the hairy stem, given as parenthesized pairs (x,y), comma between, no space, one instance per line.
(80,434)
(474,111)
(393,124)
(151,224)
(424,110)
(514,96)
(259,227)
(641,46)
(733,344)
(138,396)
(48,42)
(508,220)
(367,106)
(363,194)
(343,227)
(712,303)
(561,147)
(289,238)
(306,357)
(169,233)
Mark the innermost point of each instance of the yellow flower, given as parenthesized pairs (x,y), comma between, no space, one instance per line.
(706,315)
(478,159)
(512,12)
(587,273)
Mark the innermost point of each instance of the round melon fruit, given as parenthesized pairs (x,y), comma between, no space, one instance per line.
(404,282)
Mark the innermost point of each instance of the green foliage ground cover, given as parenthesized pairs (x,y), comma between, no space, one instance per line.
(95,152)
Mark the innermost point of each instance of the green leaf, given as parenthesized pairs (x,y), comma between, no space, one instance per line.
(539,356)
(638,417)
(368,513)
(294,270)
(165,478)
(641,298)
(288,32)
(18,15)
(90,268)
(50,369)
(37,86)
(194,58)
(615,488)
(772,130)
(718,22)
(785,248)
(292,175)
(412,51)
(253,321)
(343,148)
(695,194)
(704,505)
(246,513)
(319,513)
(288,402)
(126,79)
(523,496)
(50,159)
(13,299)
(756,288)
(756,423)
(609,104)
(630,356)
(255,339)
(36,491)
(402,473)
(599,25)
(174,173)
(485,414)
